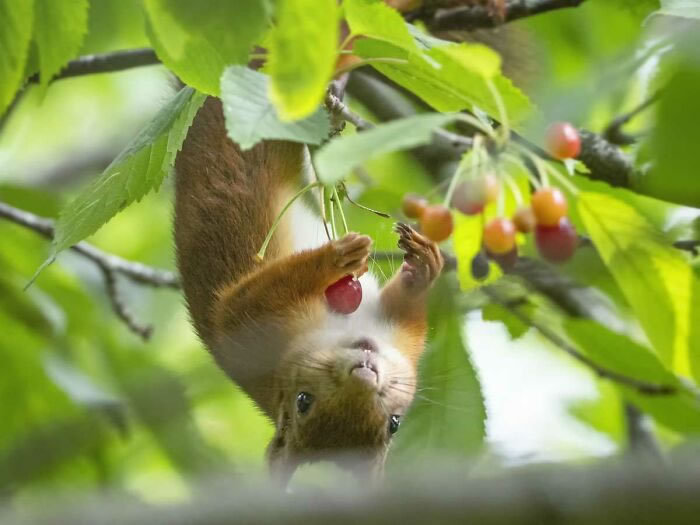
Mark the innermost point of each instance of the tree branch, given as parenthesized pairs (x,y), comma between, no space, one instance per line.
(105,63)
(468,18)
(110,265)
(642,387)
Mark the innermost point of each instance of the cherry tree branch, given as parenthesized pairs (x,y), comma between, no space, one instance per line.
(110,265)
(468,18)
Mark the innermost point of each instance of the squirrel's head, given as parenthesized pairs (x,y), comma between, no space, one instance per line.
(340,398)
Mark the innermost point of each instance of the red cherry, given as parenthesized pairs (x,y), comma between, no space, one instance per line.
(413,205)
(563,141)
(558,243)
(436,222)
(499,235)
(549,206)
(345,295)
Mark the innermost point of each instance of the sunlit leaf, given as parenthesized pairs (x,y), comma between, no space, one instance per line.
(59,30)
(375,19)
(302,55)
(657,281)
(251,116)
(15,35)
(197,43)
(682,8)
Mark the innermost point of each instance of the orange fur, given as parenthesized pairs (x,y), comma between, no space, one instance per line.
(267,323)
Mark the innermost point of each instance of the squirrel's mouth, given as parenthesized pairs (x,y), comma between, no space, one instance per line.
(365,371)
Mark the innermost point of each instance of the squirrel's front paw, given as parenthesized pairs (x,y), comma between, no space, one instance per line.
(422,260)
(350,253)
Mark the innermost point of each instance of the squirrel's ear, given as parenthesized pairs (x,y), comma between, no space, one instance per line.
(279,459)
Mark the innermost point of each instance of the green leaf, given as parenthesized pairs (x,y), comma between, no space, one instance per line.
(302,55)
(251,117)
(451,77)
(674,141)
(59,30)
(342,154)
(197,44)
(617,352)
(682,8)
(375,19)
(448,415)
(138,169)
(655,278)
(15,36)
(495,312)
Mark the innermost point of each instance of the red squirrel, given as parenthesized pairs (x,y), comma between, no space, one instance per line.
(329,382)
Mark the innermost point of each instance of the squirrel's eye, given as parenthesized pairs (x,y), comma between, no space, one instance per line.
(394,422)
(304,400)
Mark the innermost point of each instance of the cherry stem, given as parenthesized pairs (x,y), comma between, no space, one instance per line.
(340,209)
(270,233)
(517,161)
(332,209)
(366,208)
(514,189)
(502,114)
(475,122)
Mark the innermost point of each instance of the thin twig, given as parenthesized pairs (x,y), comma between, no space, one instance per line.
(642,387)
(110,265)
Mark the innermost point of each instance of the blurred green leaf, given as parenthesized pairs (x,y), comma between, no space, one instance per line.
(197,44)
(138,169)
(15,35)
(674,139)
(114,25)
(495,312)
(59,30)
(336,159)
(302,55)
(448,415)
(605,414)
(375,19)
(451,77)
(658,283)
(251,117)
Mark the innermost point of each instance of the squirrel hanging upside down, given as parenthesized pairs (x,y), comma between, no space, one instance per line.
(330,382)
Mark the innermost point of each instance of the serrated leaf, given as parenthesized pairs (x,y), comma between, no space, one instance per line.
(302,55)
(375,19)
(448,415)
(251,116)
(138,169)
(337,158)
(59,31)
(655,278)
(15,36)
(451,77)
(197,44)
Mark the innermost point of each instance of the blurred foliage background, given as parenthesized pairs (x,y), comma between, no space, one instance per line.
(86,404)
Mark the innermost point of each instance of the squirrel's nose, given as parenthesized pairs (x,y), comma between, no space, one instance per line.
(365,343)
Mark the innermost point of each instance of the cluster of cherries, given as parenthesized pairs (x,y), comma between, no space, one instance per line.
(555,236)
(546,216)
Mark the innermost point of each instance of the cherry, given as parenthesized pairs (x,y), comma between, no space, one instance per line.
(549,206)
(413,205)
(480,266)
(505,260)
(524,220)
(499,235)
(558,243)
(345,295)
(563,141)
(472,195)
(436,222)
